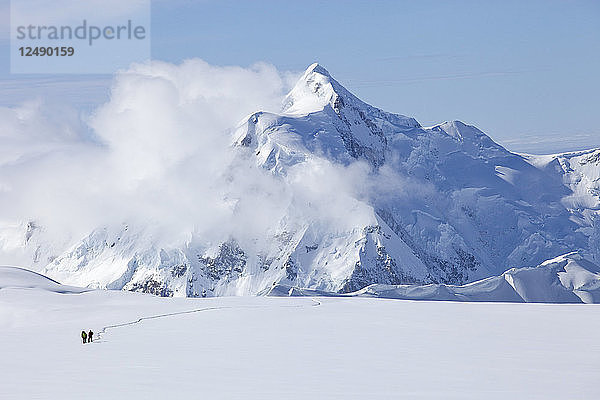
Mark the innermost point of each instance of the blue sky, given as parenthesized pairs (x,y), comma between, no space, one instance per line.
(525,72)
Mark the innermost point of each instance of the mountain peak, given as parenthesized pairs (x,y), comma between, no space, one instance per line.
(459,130)
(316,68)
(314,90)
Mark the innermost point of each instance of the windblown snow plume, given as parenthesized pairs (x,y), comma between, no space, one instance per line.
(158,151)
(196,180)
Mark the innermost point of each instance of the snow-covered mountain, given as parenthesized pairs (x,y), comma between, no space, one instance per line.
(444,205)
(566,279)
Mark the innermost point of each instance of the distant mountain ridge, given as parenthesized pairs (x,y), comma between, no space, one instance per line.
(468,209)
(565,279)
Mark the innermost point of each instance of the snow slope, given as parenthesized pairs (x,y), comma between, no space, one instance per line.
(14,277)
(442,205)
(293,348)
(566,279)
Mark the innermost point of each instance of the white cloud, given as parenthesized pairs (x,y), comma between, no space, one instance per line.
(159,153)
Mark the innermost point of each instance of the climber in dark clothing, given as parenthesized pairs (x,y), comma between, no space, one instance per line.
(84,336)
(90,336)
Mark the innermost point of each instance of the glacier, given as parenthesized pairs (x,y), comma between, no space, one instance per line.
(436,209)
(294,348)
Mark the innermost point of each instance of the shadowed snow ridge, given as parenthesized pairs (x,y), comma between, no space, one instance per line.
(20,278)
(565,279)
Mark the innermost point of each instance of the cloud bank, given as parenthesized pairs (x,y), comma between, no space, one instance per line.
(158,154)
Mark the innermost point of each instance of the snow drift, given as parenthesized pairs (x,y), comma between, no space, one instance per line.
(20,278)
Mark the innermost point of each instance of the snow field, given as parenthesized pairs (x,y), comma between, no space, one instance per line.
(293,348)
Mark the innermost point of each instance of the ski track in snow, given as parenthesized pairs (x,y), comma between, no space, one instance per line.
(104,330)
